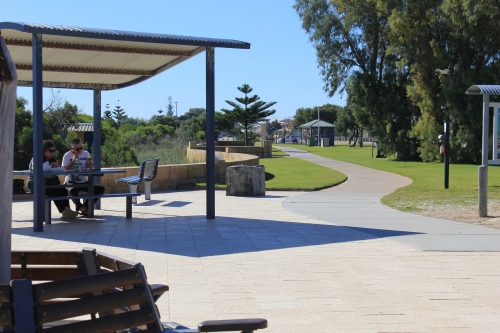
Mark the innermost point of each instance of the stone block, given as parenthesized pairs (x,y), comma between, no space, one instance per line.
(243,180)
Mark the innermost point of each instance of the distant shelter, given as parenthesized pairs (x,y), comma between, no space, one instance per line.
(84,132)
(310,130)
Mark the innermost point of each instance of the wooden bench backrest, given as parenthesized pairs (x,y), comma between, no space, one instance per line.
(129,288)
(45,266)
(149,169)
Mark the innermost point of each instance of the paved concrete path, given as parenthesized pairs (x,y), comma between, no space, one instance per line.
(356,203)
(302,274)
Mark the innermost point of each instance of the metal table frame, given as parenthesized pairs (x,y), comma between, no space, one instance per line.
(38,219)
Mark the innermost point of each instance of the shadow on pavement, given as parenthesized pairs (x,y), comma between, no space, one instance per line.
(195,236)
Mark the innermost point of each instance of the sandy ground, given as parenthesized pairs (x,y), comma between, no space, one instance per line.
(464,213)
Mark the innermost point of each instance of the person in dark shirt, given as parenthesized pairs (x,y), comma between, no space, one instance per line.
(62,205)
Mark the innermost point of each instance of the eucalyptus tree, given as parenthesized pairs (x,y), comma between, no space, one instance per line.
(351,41)
(328,113)
(460,37)
(250,111)
(347,125)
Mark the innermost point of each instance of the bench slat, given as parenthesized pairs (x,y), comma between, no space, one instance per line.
(45,273)
(113,263)
(43,258)
(82,284)
(94,304)
(106,324)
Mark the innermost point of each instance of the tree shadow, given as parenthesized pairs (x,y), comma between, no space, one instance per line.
(269,176)
(196,236)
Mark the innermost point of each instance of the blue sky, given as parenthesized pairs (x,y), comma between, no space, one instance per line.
(280,65)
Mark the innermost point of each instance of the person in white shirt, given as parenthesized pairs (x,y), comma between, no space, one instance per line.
(68,162)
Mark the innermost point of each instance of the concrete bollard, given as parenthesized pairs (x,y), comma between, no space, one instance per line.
(243,180)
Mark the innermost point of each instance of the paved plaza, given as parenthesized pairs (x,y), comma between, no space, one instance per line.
(329,261)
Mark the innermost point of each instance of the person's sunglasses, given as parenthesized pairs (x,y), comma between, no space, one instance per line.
(79,148)
(52,150)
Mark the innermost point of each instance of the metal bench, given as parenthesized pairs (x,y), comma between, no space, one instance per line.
(147,173)
(128,211)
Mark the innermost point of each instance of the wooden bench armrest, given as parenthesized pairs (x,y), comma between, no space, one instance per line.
(250,324)
(158,289)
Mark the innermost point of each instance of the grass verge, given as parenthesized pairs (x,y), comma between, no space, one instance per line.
(293,174)
(428,178)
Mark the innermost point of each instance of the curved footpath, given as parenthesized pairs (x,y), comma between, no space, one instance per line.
(356,204)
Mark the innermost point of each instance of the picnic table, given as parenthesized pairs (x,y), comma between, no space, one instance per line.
(38,219)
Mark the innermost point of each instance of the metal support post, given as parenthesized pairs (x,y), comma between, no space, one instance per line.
(210,132)
(483,169)
(96,146)
(446,154)
(38,180)
(318,128)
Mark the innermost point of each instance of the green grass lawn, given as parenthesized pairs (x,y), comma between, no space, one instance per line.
(428,178)
(295,174)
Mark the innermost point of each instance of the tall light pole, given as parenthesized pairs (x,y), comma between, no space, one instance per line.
(176,116)
(318,128)
(446,137)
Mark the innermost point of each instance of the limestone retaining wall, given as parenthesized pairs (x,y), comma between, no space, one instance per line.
(264,151)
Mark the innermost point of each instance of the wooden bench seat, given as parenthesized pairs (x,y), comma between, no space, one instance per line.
(128,196)
(30,308)
(58,265)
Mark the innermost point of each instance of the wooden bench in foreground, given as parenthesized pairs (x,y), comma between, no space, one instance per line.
(52,306)
(58,265)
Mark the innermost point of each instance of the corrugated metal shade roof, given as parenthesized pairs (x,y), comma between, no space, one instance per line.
(104,59)
(483,89)
(315,123)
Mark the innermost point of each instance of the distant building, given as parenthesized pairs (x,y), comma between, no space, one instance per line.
(84,132)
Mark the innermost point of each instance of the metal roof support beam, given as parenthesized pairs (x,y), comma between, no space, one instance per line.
(210,133)
(115,49)
(71,85)
(97,138)
(87,70)
(37,133)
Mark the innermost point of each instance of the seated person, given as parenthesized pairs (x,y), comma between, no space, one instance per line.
(49,149)
(68,163)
